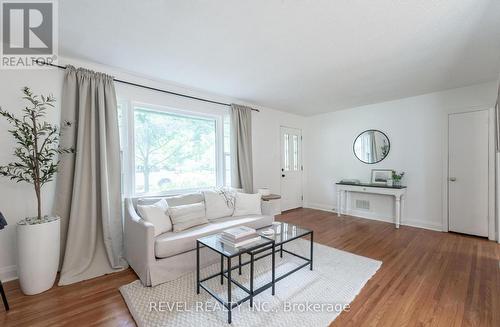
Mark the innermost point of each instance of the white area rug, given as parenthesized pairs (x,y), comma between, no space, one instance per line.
(305,298)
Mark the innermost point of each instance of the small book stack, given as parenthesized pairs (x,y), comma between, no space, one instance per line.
(239,236)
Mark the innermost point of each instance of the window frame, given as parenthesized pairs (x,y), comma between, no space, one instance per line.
(128,149)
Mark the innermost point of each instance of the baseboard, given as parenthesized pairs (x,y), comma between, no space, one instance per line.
(319,206)
(422,224)
(369,215)
(8,273)
(376,216)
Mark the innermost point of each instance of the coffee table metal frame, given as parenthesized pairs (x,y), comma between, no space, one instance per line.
(257,252)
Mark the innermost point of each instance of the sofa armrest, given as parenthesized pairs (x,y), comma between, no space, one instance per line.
(139,243)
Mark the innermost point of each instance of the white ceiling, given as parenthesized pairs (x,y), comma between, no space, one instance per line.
(304,57)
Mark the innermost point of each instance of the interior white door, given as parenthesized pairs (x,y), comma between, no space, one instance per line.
(291,168)
(468,173)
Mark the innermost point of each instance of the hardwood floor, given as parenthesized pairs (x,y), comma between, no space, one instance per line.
(427,278)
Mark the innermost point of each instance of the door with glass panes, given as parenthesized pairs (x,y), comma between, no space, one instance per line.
(291,168)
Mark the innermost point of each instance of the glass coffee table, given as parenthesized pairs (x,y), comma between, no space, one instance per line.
(268,245)
(284,233)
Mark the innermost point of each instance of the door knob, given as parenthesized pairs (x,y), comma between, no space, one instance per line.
(282,175)
(452,179)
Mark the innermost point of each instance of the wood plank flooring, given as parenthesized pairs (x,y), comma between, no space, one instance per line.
(427,279)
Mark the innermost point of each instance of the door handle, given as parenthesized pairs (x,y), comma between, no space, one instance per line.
(282,175)
(452,179)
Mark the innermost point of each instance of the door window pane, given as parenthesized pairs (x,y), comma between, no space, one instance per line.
(286,145)
(295,152)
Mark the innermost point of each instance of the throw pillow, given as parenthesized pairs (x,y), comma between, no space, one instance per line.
(219,203)
(157,215)
(247,204)
(187,216)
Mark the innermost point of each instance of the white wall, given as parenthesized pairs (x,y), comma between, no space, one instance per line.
(17,200)
(266,146)
(415,127)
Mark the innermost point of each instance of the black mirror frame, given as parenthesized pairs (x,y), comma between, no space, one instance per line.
(371,130)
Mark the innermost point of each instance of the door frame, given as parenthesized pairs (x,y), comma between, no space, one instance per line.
(491,168)
(301,156)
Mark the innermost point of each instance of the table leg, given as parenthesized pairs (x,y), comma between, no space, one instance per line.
(344,204)
(281,251)
(239,268)
(273,270)
(403,203)
(251,278)
(339,203)
(221,269)
(229,284)
(197,267)
(312,242)
(4,297)
(398,210)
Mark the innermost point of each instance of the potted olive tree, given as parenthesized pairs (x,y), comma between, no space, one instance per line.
(37,151)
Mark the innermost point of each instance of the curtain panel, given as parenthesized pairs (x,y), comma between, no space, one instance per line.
(241,148)
(497,118)
(88,193)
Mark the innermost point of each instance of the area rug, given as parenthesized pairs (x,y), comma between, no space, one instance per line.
(305,298)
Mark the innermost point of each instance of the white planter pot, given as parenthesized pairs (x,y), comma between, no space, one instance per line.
(38,256)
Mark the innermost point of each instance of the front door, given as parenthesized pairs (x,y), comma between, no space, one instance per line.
(468,173)
(291,168)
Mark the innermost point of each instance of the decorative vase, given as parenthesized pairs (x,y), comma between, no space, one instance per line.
(390,182)
(38,254)
(396,182)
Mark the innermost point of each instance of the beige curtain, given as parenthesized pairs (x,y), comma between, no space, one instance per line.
(88,196)
(241,148)
(497,118)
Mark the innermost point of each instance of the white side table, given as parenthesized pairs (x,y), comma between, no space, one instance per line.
(398,192)
(273,201)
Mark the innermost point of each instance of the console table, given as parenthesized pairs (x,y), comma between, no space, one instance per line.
(398,192)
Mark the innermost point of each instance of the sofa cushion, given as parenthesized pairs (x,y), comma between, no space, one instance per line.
(156,214)
(170,244)
(247,204)
(187,216)
(177,200)
(180,200)
(219,203)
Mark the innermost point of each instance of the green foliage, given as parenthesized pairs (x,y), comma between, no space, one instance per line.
(396,176)
(169,142)
(37,142)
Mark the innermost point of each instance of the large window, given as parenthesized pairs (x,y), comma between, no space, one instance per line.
(170,151)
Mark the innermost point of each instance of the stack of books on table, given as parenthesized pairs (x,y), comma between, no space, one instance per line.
(239,236)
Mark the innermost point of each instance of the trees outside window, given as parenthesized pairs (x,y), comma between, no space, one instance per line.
(173,152)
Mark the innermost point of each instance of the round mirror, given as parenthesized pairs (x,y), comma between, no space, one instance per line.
(371,146)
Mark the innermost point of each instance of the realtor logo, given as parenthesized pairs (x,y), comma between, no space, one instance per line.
(29,32)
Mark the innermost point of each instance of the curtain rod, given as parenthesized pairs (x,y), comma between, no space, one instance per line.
(154,88)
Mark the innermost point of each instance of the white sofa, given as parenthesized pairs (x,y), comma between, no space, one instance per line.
(169,255)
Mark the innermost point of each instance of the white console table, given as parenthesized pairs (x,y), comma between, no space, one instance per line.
(398,192)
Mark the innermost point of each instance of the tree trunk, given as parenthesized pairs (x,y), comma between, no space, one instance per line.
(36,159)
(146,179)
(39,201)
(145,171)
